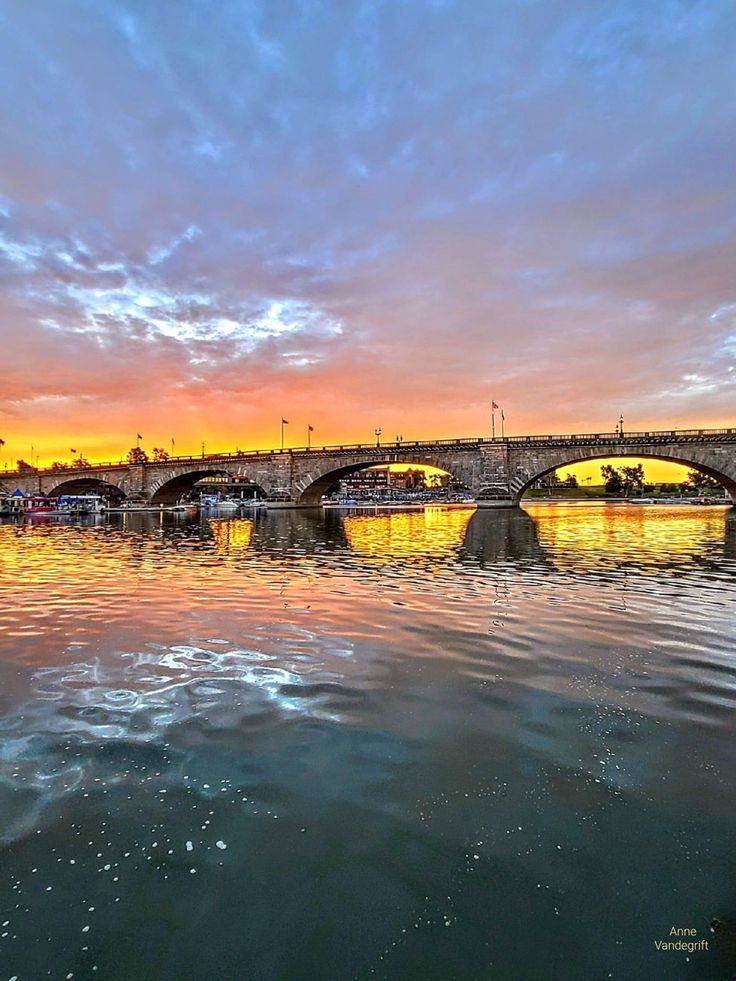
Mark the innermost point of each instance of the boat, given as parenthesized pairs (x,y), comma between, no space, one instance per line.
(78,504)
(221,504)
(36,505)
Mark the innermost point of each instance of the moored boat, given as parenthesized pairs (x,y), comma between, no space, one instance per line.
(77,504)
(36,505)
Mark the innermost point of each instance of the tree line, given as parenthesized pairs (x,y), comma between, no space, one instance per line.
(135,455)
(627,480)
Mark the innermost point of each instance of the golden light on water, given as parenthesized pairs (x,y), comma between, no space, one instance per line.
(231,535)
(433,531)
(579,535)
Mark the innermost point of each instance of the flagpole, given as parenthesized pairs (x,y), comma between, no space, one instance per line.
(493,423)
(503,427)
(309,437)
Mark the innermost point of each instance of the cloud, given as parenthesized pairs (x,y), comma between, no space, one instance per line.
(380,209)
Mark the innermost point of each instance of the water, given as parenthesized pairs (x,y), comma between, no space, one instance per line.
(409,746)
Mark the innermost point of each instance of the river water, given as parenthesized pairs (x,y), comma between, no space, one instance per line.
(320,746)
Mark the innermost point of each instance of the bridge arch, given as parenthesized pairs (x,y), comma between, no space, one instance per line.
(168,489)
(311,486)
(692,456)
(87,485)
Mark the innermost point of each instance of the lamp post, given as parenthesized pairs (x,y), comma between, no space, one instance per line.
(203,449)
(284,422)
(378,436)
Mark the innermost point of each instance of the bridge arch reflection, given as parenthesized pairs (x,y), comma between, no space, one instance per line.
(431,532)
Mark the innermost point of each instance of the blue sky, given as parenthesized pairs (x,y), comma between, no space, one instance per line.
(363,214)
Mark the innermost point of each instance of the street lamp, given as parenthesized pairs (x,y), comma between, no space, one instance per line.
(378,436)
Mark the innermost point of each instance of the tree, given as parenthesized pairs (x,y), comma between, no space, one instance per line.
(611,479)
(56,465)
(632,479)
(137,455)
(82,463)
(571,480)
(698,481)
(22,465)
(159,455)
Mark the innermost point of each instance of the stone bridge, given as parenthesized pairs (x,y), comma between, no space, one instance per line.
(496,471)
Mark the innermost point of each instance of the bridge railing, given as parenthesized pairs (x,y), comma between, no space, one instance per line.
(632,438)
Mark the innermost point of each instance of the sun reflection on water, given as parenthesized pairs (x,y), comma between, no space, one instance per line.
(578,536)
(432,532)
(231,535)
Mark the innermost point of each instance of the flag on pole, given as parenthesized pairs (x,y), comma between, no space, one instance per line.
(311,429)
(72,451)
(139,436)
(284,422)
(494,405)
(2,442)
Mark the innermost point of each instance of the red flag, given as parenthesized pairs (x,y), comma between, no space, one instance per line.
(495,405)
(311,429)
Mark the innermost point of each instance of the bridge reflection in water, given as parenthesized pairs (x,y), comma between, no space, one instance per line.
(231,535)
(593,536)
(574,536)
(433,532)
(354,700)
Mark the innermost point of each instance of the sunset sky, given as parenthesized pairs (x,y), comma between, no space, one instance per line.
(213,214)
